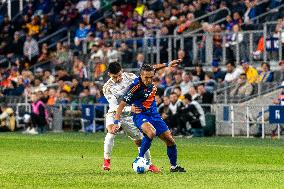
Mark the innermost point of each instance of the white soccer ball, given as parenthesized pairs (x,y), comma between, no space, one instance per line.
(140,165)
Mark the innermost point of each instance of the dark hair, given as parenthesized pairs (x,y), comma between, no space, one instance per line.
(188,97)
(4,105)
(243,74)
(177,87)
(232,63)
(114,68)
(147,68)
(173,93)
(265,63)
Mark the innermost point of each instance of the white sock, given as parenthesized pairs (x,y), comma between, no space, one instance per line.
(108,144)
(173,167)
(147,155)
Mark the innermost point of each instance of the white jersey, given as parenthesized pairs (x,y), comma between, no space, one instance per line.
(113,92)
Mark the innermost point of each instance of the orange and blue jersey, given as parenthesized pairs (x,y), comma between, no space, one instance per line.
(143,96)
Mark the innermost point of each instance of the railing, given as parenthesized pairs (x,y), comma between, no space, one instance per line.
(272,11)
(222,95)
(244,120)
(63,31)
(205,16)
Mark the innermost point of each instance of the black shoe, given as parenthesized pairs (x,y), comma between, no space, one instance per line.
(177,169)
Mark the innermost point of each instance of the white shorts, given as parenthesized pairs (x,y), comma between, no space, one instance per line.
(127,125)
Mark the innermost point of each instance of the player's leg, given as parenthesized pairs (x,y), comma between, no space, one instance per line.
(171,151)
(165,135)
(149,133)
(108,142)
(134,133)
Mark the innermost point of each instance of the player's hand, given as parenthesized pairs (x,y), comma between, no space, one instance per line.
(175,63)
(115,129)
(135,109)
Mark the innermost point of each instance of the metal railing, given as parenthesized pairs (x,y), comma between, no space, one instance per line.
(222,95)
(244,120)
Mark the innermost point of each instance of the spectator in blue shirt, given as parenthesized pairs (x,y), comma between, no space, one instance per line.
(218,74)
(81,33)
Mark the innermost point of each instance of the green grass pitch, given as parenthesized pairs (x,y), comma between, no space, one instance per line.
(73,160)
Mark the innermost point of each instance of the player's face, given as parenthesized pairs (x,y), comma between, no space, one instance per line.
(147,77)
(117,78)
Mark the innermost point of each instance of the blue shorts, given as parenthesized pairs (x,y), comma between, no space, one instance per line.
(155,119)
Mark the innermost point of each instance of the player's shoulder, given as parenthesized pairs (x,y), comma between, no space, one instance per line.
(107,85)
(134,85)
(130,76)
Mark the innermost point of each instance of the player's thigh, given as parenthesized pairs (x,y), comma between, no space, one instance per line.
(130,129)
(148,129)
(167,137)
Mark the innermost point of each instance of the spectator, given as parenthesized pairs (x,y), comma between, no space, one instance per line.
(178,78)
(235,44)
(166,113)
(39,115)
(96,52)
(250,12)
(194,95)
(48,78)
(251,72)
(7,119)
(186,82)
(243,88)
(265,75)
(218,74)
(33,27)
(139,61)
(159,100)
(233,73)
(77,88)
(186,62)
(193,113)
(126,55)
(81,33)
(278,75)
(44,55)
(31,50)
(175,107)
(61,55)
(206,96)
(199,72)
(178,92)
(52,97)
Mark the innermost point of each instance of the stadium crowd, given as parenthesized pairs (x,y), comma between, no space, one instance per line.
(66,79)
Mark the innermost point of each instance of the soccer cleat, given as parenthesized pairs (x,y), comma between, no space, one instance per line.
(177,169)
(106,165)
(154,169)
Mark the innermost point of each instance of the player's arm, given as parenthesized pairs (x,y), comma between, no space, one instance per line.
(172,63)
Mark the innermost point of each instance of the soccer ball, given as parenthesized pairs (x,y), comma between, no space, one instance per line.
(140,165)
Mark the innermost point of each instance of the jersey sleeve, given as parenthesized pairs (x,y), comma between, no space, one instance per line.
(112,100)
(129,95)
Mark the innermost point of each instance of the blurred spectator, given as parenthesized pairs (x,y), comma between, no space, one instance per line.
(52,97)
(251,72)
(178,92)
(186,82)
(194,95)
(166,113)
(243,88)
(206,96)
(250,12)
(7,119)
(139,61)
(278,75)
(175,107)
(61,55)
(193,113)
(218,74)
(199,72)
(81,33)
(48,78)
(265,75)
(186,62)
(31,49)
(44,55)
(232,73)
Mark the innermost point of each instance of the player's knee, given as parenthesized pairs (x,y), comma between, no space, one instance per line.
(151,134)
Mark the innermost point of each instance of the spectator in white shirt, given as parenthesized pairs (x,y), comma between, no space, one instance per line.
(233,73)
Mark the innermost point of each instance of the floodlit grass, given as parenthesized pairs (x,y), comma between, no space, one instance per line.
(73,160)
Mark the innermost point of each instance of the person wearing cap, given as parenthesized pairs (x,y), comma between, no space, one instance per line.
(218,74)
(243,88)
(7,119)
(251,72)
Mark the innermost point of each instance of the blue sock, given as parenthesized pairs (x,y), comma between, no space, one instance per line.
(172,154)
(146,143)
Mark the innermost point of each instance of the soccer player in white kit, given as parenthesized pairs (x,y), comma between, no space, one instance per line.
(113,90)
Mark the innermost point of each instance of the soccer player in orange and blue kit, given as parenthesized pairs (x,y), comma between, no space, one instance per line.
(141,94)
